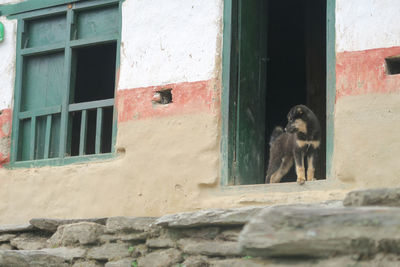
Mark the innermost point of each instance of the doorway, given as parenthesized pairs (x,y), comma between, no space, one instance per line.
(277,60)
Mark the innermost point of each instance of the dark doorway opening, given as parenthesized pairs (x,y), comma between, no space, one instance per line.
(278,60)
(296,68)
(94,80)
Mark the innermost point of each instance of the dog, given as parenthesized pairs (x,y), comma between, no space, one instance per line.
(300,140)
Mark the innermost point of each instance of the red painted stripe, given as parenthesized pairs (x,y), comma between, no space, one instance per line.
(5,133)
(187,97)
(5,123)
(364,72)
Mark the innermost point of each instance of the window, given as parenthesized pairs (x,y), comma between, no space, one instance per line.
(274,57)
(65,83)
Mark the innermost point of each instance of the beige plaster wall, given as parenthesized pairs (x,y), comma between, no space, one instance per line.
(367,140)
(164,162)
(170,164)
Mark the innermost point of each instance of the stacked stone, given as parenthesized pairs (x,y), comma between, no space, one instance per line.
(365,231)
(203,238)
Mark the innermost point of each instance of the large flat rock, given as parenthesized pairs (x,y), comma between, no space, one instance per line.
(83,233)
(161,258)
(374,197)
(51,225)
(322,232)
(129,224)
(29,241)
(31,258)
(209,247)
(109,251)
(210,217)
(15,228)
(67,253)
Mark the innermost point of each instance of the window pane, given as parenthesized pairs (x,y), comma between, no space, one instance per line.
(46,31)
(43,81)
(97,22)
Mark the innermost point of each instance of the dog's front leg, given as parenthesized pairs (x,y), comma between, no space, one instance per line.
(311,160)
(300,170)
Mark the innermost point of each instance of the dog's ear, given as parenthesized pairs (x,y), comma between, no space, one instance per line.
(299,111)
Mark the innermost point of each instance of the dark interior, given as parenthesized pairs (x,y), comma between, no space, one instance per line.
(94,80)
(296,65)
(393,65)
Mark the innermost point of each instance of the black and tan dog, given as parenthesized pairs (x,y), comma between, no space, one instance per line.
(299,141)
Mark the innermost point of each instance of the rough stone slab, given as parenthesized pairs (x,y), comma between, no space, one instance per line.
(87,264)
(196,261)
(5,246)
(321,232)
(374,197)
(29,241)
(381,260)
(139,250)
(129,224)
(230,235)
(67,254)
(121,263)
(83,233)
(6,237)
(240,262)
(56,239)
(161,258)
(124,237)
(209,248)
(30,258)
(201,232)
(160,243)
(16,228)
(51,225)
(109,251)
(238,216)
(12,258)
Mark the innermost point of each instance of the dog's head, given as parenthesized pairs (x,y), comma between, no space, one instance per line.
(297,119)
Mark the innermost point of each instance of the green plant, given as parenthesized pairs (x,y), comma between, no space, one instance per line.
(247,257)
(131,248)
(134,263)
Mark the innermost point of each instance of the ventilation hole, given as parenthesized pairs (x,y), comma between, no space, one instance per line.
(393,65)
(121,150)
(163,97)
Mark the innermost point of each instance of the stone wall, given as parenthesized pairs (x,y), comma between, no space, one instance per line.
(303,235)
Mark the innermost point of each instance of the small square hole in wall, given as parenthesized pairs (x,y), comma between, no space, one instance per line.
(162,97)
(393,65)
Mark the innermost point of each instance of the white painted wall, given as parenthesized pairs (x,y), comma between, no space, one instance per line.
(7,62)
(168,41)
(367,24)
(2,2)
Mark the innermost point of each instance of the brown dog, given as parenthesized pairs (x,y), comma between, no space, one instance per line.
(301,139)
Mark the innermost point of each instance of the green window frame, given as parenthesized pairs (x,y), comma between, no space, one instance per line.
(46,68)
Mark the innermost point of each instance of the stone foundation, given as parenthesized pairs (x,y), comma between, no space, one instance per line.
(302,235)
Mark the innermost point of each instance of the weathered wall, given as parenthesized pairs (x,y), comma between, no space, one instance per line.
(367,109)
(168,149)
(169,158)
(7,71)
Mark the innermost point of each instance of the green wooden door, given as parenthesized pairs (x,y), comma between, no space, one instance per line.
(42,90)
(251,92)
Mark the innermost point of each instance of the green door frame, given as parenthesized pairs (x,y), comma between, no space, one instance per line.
(227,97)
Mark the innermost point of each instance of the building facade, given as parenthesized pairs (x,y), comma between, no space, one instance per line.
(142,108)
